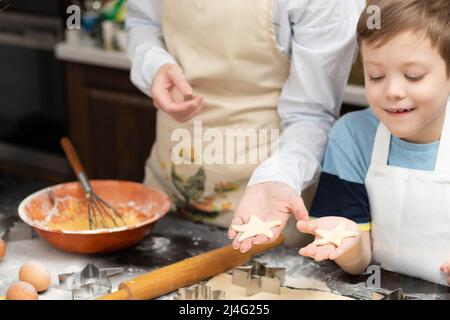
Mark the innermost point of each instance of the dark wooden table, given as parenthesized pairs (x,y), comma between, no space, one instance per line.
(174,239)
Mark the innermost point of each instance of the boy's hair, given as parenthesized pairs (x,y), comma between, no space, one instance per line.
(432,17)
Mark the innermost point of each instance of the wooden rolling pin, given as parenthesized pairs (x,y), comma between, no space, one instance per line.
(186,272)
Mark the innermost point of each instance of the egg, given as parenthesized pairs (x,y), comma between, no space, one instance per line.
(21,291)
(36,274)
(2,249)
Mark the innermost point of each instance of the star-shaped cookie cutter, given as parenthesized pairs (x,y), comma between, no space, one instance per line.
(256,277)
(199,292)
(397,294)
(89,282)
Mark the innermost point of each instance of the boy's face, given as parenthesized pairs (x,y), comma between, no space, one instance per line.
(407,86)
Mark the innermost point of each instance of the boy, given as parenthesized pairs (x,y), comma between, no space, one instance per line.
(386,170)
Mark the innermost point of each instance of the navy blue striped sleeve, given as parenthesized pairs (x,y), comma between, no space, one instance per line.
(341,190)
(337,197)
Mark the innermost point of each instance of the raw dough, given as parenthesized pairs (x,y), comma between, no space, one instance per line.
(334,236)
(300,282)
(256,226)
(234,292)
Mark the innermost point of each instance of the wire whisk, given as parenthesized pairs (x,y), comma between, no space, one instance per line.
(98,209)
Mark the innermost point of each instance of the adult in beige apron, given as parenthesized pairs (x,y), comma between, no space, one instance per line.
(229,55)
(410,211)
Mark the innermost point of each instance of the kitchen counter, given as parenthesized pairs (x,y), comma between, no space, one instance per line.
(92,56)
(172,240)
(353,95)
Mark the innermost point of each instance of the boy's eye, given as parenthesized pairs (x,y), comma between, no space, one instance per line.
(414,78)
(376,78)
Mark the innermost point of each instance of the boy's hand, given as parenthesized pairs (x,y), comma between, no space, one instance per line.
(269,201)
(329,251)
(446,269)
(169,90)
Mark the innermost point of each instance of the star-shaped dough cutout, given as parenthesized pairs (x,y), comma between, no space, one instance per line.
(254,227)
(334,236)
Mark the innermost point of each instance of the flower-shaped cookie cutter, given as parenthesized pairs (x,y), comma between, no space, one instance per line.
(397,294)
(199,292)
(256,277)
(89,282)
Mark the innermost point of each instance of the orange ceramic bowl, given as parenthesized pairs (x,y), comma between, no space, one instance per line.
(155,204)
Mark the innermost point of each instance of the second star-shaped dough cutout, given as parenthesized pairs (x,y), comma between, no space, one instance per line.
(334,236)
(254,227)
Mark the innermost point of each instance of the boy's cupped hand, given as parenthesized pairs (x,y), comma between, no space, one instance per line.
(329,251)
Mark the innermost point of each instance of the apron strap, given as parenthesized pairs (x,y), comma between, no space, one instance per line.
(380,152)
(443,156)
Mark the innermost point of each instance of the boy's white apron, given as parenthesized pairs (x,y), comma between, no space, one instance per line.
(228,52)
(410,211)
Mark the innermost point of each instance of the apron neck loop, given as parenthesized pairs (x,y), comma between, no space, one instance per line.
(380,152)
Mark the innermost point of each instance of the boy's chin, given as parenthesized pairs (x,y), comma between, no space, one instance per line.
(402,132)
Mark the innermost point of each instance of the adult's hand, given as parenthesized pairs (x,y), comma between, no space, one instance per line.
(269,201)
(169,90)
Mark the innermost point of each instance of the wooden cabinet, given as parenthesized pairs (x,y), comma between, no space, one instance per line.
(111,123)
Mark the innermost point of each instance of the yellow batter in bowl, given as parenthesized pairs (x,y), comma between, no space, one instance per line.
(71,213)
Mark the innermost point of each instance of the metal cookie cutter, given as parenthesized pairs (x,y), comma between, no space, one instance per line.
(257,277)
(6,223)
(199,292)
(89,282)
(396,294)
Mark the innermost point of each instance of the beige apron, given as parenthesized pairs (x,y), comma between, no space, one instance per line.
(228,52)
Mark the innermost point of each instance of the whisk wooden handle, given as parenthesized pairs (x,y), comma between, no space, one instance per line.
(71,155)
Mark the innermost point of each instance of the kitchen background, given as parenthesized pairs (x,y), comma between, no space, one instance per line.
(57,82)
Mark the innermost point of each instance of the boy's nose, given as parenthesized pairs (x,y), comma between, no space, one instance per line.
(395,90)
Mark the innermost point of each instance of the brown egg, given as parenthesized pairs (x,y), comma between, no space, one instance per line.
(36,274)
(21,291)
(2,249)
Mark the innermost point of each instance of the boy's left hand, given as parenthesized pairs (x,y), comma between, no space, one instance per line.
(329,251)
(446,269)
